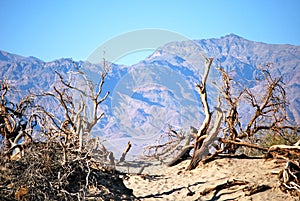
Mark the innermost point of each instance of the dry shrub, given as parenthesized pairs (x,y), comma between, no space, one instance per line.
(42,175)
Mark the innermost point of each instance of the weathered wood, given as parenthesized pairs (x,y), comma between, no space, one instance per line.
(182,155)
(284,147)
(141,170)
(211,157)
(190,193)
(184,152)
(125,152)
(171,143)
(289,179)
(284,151)
(204,127)
(232,116)
(204,150)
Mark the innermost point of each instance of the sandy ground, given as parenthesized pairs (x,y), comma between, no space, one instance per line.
(159,182)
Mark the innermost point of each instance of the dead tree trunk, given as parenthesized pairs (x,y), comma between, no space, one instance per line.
(204,127)
(203,151)
(122,159)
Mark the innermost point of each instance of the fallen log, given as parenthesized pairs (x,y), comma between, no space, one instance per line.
(289,179)
(284,147)
(182,155)
(184,152)
(284,151)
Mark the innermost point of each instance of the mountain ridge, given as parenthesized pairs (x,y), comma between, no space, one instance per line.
(160,89)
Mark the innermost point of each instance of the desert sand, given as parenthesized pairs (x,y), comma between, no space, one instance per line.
(159,182)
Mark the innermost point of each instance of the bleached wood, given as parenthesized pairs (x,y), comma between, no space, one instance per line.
(201,147)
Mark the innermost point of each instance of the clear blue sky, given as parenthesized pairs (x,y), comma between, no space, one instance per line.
(52,29)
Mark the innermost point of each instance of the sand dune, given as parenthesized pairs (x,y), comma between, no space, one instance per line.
(159,182)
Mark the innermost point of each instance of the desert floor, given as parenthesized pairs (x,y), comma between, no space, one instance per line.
(159,182)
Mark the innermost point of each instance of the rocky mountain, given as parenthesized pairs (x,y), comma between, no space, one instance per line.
(160,90)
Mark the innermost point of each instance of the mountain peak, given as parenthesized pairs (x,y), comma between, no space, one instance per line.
(232,36)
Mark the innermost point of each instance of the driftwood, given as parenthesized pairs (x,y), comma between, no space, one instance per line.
(284,148)
(182,155)
(284,151)
(248,190)
(184,152)
(289,179)
(201,147)
(122,159)
(205,124)
(204,150)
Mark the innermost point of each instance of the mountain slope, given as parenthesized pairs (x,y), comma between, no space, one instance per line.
(160,90)
(241,58)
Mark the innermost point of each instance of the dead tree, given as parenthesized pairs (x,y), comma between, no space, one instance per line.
(232,122)
(201,147)
(17,119)
(204,127)
(199,141)
(269,109)
(203,95)
(268,114)
(78,108)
